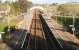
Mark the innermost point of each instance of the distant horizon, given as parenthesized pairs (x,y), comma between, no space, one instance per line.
(46,1)
(53,1)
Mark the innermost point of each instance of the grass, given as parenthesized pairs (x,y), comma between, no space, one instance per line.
(4,24)
(13,22)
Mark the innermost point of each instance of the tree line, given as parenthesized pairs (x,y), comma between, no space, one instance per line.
(18,7)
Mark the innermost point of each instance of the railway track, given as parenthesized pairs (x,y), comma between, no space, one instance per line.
(53,43)
(37,40)
(40,36)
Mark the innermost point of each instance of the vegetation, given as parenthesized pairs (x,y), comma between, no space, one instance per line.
(20,6)
(2,26)
(69,9)
(16,8)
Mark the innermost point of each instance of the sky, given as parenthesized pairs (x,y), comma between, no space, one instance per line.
(8,0)
(52,1)
(48,1)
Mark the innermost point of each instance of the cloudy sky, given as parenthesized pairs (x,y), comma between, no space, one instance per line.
(49,1)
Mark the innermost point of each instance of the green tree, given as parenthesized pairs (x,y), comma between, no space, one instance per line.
(19,7)
(23,5)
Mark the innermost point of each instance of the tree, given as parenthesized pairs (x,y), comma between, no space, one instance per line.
(19,7)
(23,5)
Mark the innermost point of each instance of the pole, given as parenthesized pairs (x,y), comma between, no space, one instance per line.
(73,29)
